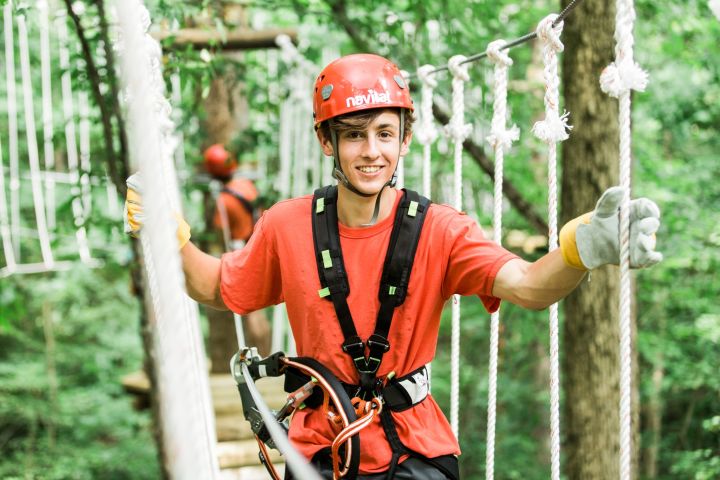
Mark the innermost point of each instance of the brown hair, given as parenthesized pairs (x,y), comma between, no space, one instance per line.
(360,120)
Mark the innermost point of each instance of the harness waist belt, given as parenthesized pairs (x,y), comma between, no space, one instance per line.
(401,393)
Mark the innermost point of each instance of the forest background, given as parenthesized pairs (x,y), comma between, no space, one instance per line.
(66,338)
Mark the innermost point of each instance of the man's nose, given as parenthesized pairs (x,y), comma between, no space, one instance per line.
(370,147)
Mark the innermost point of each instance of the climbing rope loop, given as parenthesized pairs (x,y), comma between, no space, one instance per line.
(551,130)
(500,139)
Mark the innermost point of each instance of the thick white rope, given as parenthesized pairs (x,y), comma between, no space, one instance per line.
(551,130)
(500,139)
(33,155)
(427,133)
(14,160)
(458,130)
(67,98)
(186,412)
(5,234)
(618,80)
(47,111)
(715,8)
(82,201)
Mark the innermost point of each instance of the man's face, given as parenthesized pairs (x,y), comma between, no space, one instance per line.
(369,156)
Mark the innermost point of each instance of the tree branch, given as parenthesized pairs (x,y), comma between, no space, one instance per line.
(94,76)
(114,101)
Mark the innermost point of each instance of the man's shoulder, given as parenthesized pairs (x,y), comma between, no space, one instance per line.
(290,209)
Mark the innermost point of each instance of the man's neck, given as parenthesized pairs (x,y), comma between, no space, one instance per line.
(356,211)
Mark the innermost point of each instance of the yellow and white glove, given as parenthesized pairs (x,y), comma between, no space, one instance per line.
(134,216)
(593,239)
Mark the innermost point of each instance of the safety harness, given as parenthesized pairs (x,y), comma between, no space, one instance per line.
(397,394)
(247,204)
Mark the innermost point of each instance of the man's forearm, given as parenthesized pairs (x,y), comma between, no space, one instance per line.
(539,284)
(202,276)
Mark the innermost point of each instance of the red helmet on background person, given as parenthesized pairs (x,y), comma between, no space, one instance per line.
(218,162)
(356,83)
(359,82)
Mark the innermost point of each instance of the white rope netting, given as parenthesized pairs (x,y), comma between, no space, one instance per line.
(458,131)
(186,411)
(47,112)
(618,80)
(500,139)
(714,6)
(32,146)
(551,130)
(14,156)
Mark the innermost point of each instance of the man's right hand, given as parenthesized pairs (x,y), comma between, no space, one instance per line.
(134,217)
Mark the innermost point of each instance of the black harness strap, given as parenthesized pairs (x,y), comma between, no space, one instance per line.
(395,278)
(247,204)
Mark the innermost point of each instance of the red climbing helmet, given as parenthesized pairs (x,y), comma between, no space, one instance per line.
(218,161)
(359,82)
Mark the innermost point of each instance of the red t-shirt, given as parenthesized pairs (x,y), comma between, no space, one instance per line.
(278,264)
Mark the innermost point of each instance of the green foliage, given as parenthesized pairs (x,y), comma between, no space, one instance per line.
(76,422)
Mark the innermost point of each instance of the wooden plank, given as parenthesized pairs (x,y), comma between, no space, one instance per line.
(250,473)
(242,453)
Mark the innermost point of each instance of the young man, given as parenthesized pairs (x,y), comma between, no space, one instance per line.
(363,118)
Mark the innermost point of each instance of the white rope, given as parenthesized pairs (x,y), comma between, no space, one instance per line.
(5,234)
(426,133)
(82,203)
(458,130)
(618,80)
(551,130)
(14,160)
(67,96)
(500,139)
(33,156)
(47,111)
(715,8)
(186,412)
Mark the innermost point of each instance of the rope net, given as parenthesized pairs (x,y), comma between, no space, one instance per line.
(185,408)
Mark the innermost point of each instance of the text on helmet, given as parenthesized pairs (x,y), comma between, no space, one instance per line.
(372,97)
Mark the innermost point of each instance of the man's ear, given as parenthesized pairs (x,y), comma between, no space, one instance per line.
(325,143)
(405,144)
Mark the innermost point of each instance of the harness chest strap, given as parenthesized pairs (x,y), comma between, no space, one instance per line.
(395,278)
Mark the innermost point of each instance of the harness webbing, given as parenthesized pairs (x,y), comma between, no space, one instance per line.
(395,278)
(247,204)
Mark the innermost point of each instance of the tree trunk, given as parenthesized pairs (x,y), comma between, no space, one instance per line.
(590,366)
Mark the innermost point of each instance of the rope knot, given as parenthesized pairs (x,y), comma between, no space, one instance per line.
(458,69)
(425,75)
(503,138)
(549,34)
(553,129)
(497,55)
(620,78)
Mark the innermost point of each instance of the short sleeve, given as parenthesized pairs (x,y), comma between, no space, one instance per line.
(250,278)
(473,261)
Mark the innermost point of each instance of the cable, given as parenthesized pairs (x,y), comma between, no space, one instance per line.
(513,43)
(296,462)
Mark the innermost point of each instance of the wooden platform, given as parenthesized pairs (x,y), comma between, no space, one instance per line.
(236,447)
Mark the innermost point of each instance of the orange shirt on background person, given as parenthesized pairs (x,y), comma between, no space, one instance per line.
(240,220)
(278,264)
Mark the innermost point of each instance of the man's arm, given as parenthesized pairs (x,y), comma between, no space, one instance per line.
(588,242)
(202,276)
(536,285)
